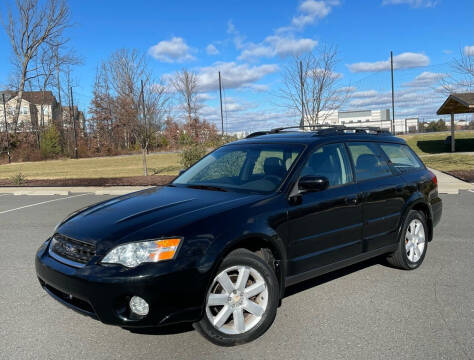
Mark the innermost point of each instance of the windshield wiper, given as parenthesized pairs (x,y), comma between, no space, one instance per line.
(207,187)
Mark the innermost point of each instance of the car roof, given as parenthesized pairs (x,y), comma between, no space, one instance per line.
(312,137)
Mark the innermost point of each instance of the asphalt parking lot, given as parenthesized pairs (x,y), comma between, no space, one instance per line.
(368,311)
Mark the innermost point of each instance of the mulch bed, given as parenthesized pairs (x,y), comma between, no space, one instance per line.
(466,175)
(153,180)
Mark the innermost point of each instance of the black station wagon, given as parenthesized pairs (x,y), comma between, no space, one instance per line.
(218,246)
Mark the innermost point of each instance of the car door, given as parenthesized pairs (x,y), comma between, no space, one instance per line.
(325,226)
(382,194)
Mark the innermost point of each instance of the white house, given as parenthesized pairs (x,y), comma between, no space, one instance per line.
(38,109)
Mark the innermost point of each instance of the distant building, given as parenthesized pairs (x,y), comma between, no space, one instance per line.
(38,109)
(368,118)
(79,115)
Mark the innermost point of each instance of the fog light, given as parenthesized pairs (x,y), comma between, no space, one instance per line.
(139,306)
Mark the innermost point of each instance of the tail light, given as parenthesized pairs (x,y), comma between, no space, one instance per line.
(434,178)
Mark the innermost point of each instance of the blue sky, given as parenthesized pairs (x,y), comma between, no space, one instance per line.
(250,42)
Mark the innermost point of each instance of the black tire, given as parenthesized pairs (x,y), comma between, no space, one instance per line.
(399,258)
(243,257)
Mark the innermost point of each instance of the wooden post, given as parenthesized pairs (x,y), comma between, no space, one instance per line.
(220,97)
(302,95)
(145,140)
(6,128)
(453,142)
(393,95)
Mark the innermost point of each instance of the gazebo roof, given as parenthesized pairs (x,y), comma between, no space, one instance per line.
(460,103)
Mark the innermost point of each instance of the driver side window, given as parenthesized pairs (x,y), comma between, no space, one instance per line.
(332,162)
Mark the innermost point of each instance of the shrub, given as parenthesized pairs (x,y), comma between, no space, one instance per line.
(18,179)
(50,144)
(191,154)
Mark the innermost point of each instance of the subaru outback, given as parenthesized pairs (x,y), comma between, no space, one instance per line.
(218,245)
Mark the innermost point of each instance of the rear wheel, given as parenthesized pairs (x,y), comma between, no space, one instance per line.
(242,300)
(413,242)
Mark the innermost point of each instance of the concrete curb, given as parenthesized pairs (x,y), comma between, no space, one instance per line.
(448,184)
(65,191)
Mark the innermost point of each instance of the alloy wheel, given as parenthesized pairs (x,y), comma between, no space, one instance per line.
(415,240)
(237,300)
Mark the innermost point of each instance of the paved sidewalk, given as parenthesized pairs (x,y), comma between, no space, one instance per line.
(448,184)
(106,190)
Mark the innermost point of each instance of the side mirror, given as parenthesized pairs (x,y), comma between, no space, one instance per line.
(310,183)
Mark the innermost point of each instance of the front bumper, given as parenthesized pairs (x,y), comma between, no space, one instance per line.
(175,290)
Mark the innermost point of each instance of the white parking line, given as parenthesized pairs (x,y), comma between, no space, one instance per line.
(41,203)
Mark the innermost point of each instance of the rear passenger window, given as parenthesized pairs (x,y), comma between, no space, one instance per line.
(368,161)
(401,157)
(330,161)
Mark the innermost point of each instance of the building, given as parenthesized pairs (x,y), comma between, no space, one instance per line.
(38,109)
(368,118)
(79,116)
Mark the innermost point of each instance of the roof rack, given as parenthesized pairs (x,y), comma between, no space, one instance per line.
(325,129)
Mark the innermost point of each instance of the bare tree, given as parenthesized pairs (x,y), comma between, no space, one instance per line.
(127,101)
(461,78)
(52,60)
(185,83)
(31,26)
(311,87)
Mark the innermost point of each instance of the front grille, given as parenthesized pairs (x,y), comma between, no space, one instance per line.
(70,249)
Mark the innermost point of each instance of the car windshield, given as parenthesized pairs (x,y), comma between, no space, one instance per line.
(249,167)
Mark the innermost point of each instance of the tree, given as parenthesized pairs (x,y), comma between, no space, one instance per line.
(29,28)
(461,77)
(439,125)
(50,145)
(185,83)
(128,104)
(311,87)
(101,111)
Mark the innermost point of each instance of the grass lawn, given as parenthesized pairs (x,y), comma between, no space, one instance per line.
(448,162)
(433,143)
(427,145)
(116,166)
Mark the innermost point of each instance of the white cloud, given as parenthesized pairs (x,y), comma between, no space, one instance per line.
(311,10)
(364,94)
(257,87)
(405,60)
(238,38)
(211,50)
(425,79)
(233,75)
(277,45)
(173,50)
(205,96)
(469,50)
(412,3)
(447,51)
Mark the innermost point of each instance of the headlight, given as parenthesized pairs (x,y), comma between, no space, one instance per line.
(134,254)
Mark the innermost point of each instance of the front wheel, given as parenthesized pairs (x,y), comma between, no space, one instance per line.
(413,242)
(242,300)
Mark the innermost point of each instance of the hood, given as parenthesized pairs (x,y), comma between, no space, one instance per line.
(168,208)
